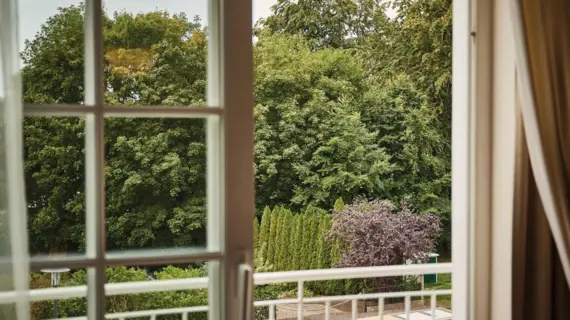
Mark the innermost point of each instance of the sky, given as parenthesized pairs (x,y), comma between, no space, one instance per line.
(34,12)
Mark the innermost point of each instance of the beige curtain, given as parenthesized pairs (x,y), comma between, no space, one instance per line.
(541,235)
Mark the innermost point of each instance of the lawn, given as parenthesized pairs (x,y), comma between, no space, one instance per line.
(443,282)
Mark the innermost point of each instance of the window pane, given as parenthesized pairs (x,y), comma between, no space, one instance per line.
(54,165)
(6,283)
(155,183)
(59,308)
(155,53)
(52,46)
(167,304)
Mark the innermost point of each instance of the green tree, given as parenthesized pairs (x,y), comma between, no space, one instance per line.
(154,167)
(331,23)
(338,205)
(264,232)
(255,234)
(406,89)
(278,245)
(314,92)
(291,244)
(298,250)
(322,261)
(307,238)
(315,231)
(284,237)
(273,231)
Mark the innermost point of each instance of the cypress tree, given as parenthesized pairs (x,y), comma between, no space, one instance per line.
(298,244)
(321,248)
(307,239)
(279,240)
(264,232)
(338,205)
(290,254)
(273,229)
(335,246)
(310,210)
(284,239)
(255,234)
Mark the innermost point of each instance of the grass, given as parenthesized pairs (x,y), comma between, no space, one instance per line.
(443,282)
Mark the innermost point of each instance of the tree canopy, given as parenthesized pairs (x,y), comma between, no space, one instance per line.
(349,103)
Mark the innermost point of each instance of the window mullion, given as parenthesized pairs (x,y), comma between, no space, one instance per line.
(95,159)
(13,141)
(214,168)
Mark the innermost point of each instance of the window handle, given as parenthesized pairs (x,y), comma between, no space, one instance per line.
(245,278)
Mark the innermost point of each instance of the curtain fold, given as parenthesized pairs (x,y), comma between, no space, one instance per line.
(541,234)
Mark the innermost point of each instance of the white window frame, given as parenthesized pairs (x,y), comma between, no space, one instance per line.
(230,178)
(474,164)
(461,157)
(229,116)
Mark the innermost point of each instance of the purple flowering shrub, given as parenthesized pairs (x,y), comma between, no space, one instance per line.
(375,233)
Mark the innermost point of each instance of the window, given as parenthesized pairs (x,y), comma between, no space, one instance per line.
(228,112)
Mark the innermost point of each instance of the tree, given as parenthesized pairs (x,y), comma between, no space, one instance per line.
(338,205)
(255,234)
(329,23)
(284,236)
(349,104)
(278,247)
(314,253)
(291,244)
(273,231)
(155,167)
(323,249)
(313,92)
(407,86)
(264,232)
(298,256)
(308,237)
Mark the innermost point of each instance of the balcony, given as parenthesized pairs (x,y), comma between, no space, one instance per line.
(323,306)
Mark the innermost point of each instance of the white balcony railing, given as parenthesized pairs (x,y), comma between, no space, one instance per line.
(299,277)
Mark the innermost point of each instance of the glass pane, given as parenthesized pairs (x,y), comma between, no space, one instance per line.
(58,308)
(169,304)
(155,183)
(156,52)
(52,51)
(54,165)
(6,283)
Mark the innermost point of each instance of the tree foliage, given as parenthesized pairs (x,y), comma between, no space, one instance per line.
(264,232)
(255,234)
(349,103)
(375,234)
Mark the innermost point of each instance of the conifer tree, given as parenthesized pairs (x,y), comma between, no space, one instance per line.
(255,234)
(322,248)
(285,231)
(273,229)
(279,239)
(298,244)
(264,232)
(305,261)
(338,205)
(291,242)
(313,254)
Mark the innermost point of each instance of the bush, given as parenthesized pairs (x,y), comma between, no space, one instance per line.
(373,233)
(124,303)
